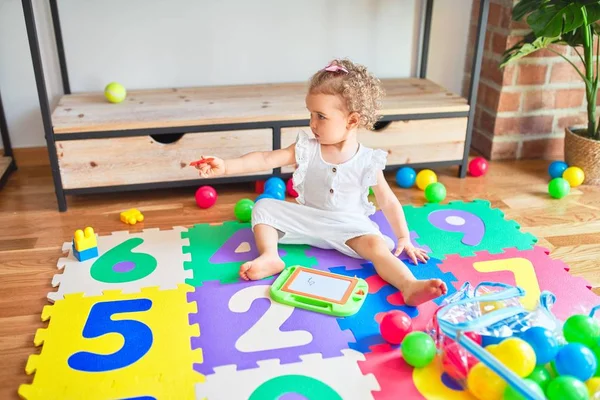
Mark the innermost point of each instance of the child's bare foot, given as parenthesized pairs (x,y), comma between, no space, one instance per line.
(261,267)
(418,292)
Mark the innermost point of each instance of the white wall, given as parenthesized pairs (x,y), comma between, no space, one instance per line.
(144,44)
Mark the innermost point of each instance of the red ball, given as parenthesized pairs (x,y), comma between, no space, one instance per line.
(259,187)
(457,361)
(290,188)
(394,326)
(206,196)
(478,166)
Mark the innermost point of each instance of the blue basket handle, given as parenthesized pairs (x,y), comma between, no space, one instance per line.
(594,311)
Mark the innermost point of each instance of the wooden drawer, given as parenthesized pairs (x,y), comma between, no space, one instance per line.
(407,142)
(141,159)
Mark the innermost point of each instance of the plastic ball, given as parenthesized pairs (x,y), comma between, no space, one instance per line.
(115,92)
(290,188)
(543,342)
(596,351)
(541,376)
(405,177)
(206,196)
(457,361)
(593,386)
(435,192)
(574,175)
(484,384)
(259,187)
(478,166)
(274,184)
(556,169)
(275,193)
(418,349)
(576,360)
(489,306)
(511,393)
(425,178)
(566,388)
(243,210)
(394,326)
(558,188)
(371,193)
(265,196)
(582,329)
(517,355)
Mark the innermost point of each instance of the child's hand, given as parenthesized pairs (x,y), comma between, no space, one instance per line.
(209,167)
(411,251)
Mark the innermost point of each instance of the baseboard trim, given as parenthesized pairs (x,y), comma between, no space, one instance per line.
(31,156)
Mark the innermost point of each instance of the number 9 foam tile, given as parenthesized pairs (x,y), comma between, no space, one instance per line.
(126,261)
(116,346)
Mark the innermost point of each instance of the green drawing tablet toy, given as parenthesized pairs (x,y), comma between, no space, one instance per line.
(320,291)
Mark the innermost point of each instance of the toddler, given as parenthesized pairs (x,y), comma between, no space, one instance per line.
(333,176)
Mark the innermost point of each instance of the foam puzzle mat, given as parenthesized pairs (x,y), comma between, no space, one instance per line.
(162,314)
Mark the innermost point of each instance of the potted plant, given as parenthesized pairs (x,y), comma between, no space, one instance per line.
(574,24)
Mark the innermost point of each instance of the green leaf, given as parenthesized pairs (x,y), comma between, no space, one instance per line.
(525,7)
(593,12)
(555,18)
(530,44)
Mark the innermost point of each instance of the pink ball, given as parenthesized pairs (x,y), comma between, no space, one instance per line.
(290,188)
(394,326)
(478,166)
(206,196)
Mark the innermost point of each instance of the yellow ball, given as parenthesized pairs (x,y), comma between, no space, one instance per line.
(517,355)
(484,384)
(574,175)
(115,92)
(593,385)
(425,178)
(489,306)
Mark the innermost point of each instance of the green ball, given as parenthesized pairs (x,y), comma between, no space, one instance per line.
(567,388)
(435,192)
(559,188)
(582,329)
(512,394)
(596,351)
(371,191)
(418,349)
(243,210)
(115,92)
(541,376)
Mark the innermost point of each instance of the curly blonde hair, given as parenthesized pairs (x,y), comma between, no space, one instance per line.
(361,90)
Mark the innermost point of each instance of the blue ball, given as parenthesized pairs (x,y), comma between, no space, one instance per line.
(274,184)
(576,360)
(276,193)
(543,342)
(405,177)
(557,168)
(264,196)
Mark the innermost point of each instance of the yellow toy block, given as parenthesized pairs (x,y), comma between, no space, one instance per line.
(85,239)
(132,216)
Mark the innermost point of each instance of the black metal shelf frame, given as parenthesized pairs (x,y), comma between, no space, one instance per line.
(8,152)
(276,126)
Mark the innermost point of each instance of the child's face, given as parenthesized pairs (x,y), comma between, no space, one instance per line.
(330,120)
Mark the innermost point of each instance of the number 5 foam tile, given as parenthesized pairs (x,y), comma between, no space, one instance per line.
(128,262)
(241,325)
(314,377)
(463,228)
(213,257)
(116,346)
(533,270)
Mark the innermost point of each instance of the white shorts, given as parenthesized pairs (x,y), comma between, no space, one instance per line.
(299,224)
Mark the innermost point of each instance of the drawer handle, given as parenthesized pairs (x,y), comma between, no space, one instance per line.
(381,125)
(167,138)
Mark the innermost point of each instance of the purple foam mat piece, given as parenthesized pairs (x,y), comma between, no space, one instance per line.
(227,254)
(333,258)
(221,328)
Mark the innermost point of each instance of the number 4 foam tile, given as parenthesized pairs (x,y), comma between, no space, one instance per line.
(314,377)
(128,262)
(241,325)
(533,270)
(124,339)
(465,227)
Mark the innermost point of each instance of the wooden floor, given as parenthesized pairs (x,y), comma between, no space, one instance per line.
(32,233)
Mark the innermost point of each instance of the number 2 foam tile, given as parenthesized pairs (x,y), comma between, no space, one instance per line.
(213,258)
(464,228)
(116,346)
(126,261)
(241,325)
(533,270)
(314,377)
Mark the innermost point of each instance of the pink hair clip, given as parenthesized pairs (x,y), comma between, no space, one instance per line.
(335,68)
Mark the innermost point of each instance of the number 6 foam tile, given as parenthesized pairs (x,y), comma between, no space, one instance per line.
(116,346)
(241,325)
(465,227)
(533,270)
(314,377)
(126,261)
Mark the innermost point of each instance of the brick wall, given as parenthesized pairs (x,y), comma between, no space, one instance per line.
(522,111)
